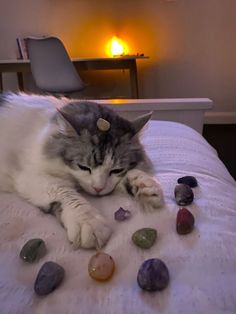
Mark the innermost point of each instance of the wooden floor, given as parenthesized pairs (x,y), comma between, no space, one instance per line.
(223,138)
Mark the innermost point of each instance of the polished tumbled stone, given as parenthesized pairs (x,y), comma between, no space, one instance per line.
(189,180)
(153,275)
(184,221)
(33,250)
(183,194)
(49,278)
(101,266)
(145,237)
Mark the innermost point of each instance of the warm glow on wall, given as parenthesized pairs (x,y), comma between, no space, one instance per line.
(116,47)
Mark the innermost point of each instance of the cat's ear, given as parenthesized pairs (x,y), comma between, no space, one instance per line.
(64,125)
(140,121)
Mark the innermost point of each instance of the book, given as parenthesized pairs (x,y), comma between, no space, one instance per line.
(22,47)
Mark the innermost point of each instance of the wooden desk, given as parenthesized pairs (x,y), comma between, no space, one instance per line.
(81,64)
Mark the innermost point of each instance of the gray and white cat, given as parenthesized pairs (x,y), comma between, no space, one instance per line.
(50,148)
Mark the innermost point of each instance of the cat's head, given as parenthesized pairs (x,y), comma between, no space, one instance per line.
(97,158)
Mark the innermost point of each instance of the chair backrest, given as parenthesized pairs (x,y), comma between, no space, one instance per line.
(51,66)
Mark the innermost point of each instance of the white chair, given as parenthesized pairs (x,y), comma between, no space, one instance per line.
(51,66)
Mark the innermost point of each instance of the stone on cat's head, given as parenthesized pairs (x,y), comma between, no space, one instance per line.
(103,125)
(94,118)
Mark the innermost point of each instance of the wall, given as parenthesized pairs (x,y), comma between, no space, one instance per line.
(191,43)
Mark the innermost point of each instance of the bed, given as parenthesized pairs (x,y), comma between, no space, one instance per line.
(202,264)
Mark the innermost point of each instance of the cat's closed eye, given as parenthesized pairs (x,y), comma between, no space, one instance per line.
(116,171)
(84,168)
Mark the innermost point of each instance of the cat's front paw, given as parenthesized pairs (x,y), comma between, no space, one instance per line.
(87,230)
(150,194)
(146,189)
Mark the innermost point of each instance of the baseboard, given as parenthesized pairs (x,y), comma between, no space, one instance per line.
(220,118)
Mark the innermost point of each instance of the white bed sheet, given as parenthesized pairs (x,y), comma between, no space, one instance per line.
(202,265)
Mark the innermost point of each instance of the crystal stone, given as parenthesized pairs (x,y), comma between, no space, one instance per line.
(49,277)
(145,237)
(101,266)
(184,221)
(153,275)
(189,180)
(121,214)
(33,250)
(183,194)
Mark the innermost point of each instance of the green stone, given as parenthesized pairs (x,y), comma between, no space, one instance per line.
(33,250)
(145,237)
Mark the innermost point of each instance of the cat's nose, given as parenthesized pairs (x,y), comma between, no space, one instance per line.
(97,189)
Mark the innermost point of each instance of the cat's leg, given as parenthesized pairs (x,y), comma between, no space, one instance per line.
(85,226)
(144,188)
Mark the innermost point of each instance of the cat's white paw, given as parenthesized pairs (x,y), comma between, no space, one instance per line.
(87,230)
(146,189)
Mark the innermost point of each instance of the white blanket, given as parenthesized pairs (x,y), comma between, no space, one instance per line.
(202,264)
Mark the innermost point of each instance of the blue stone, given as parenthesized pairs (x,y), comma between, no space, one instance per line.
(50,276)
(189,180)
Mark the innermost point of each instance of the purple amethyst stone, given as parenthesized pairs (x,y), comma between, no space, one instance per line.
(121,214)
(153,275)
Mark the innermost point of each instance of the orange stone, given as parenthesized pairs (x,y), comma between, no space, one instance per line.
(101,266)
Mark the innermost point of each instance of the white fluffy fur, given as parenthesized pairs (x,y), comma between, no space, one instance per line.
(24,169)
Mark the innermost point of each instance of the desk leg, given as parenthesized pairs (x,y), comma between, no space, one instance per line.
(20,81)
(1,83)
(133,79)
